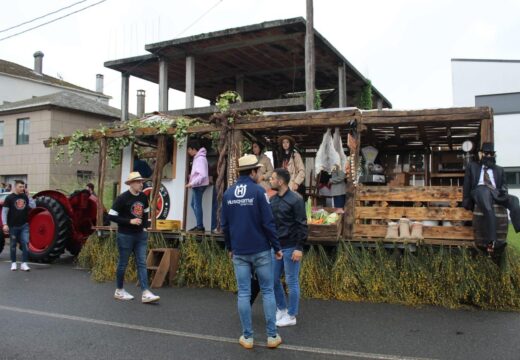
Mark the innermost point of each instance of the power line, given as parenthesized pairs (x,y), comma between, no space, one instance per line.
(182,32)
(43,16)
(53,20)
(200,17)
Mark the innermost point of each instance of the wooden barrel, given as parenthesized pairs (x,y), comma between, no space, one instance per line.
(478,225)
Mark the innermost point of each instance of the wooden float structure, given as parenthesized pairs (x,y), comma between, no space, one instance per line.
(431,192)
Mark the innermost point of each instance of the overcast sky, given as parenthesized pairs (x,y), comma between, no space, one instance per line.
(403,46)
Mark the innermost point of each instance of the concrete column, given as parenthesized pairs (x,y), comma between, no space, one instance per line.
(163,84)
(379,104)
(140,103)
(342,86)
(190,82)
(240,86)
(125,92)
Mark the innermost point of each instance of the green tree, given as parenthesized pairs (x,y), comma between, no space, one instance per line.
(365,101)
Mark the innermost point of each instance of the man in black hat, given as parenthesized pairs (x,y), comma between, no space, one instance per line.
(485,185)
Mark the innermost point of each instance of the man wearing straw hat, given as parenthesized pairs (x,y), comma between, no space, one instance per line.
(130,212)
(250,234)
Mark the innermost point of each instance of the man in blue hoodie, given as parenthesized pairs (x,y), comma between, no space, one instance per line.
(250,234)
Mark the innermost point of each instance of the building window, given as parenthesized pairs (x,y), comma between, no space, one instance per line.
(22,131)
(1,133)
(84,176)
(513,177)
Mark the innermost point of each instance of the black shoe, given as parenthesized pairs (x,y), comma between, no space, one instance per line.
(197,229)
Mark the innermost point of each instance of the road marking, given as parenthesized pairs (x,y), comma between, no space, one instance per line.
(305,349)
(32,264)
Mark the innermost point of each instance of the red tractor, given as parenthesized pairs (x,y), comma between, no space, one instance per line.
(59,222)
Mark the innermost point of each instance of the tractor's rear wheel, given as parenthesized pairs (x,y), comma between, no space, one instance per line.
(49,227)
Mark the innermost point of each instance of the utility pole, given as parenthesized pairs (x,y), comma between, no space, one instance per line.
(310,61)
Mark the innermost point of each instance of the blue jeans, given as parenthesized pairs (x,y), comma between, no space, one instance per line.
(19,234)
(292,273)
(196,204)
(261,263)
(214,209)
(339,201)
(128,244)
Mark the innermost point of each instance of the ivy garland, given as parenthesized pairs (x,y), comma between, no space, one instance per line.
(84,143)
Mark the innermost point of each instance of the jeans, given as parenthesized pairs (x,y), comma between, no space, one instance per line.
(126,244)
(339,201)
(196,204)
(292,273)
(262,264)
(19,234)
(214,209)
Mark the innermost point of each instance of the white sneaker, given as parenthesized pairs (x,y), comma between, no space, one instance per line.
(280,314)
(13,266)
(25,267)
(149,297)
(121,294)
(287,320)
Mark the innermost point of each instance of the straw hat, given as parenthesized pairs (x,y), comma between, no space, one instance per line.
(248,162)
(134,176)
(288,137)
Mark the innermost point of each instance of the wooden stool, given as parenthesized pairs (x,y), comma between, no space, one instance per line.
(163,263)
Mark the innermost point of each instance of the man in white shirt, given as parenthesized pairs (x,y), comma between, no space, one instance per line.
(485,185)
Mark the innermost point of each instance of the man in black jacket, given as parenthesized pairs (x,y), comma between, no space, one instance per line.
(485,185)
(130,212)
(291,225)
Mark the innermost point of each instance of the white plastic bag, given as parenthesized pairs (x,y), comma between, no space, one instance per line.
(338,146)
(327,157)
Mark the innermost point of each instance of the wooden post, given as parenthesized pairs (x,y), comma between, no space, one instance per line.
(157,177)
(486,129)
(101,179)
(342,86)
(379,104)
(190,82)
(163,85)
(125,94)
(310,63)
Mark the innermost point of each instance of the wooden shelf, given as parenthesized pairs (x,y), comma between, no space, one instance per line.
(447,175)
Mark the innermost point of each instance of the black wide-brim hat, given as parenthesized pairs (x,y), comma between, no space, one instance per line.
(488,147)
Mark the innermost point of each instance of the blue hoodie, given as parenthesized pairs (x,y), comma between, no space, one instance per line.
(247,219)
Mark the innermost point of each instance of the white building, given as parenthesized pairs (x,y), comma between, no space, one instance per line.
(494,83)
(19,83)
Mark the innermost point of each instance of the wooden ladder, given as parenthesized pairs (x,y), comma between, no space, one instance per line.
(163,263)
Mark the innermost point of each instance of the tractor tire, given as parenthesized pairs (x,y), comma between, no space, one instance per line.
(49,230)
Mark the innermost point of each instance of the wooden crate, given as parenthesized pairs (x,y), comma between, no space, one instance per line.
(332,232)
(377,205)
(172,225)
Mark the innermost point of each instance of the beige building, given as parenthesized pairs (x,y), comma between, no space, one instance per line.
(24,125)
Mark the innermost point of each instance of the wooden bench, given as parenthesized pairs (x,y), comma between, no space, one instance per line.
(377,205)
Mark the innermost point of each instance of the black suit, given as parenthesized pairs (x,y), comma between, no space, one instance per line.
(485,197)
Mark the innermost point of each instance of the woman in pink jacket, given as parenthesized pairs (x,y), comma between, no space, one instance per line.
(198,182)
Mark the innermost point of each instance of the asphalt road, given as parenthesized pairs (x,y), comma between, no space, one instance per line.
(57,312)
